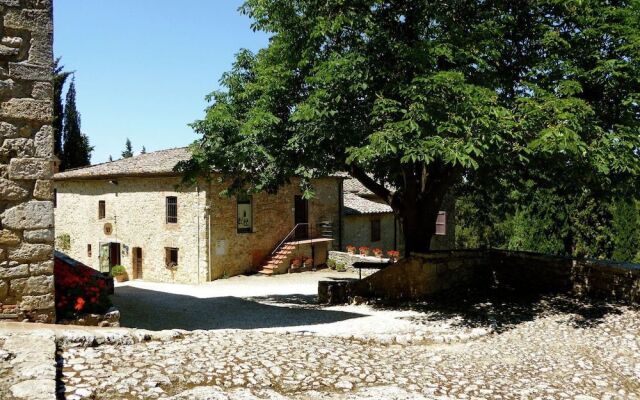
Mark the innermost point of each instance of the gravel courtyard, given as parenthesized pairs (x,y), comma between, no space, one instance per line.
(265,338)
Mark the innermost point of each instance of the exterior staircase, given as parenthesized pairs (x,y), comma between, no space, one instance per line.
(278,261)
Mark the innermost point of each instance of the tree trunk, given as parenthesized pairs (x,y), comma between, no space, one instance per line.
(418,223)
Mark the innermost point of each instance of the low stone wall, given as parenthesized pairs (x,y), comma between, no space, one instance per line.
(425,275)
(350,259)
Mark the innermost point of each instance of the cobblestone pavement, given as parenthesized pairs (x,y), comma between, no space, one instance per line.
(552,348)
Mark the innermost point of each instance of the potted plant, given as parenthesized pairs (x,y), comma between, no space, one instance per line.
(308,262)
(364,251)
(331,264)
(341,267)
(351,249)
(377,252)
(119,272)
(296,263)
(393,255)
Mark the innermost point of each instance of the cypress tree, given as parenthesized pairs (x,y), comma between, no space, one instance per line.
(128,149)
(76,151)
(144,150)
(59,79)
(625,230)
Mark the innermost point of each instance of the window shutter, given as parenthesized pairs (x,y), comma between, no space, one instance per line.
(441,224)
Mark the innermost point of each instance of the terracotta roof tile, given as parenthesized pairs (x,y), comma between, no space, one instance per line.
(155,163)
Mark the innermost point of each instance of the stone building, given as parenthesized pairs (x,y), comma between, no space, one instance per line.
(368,221)
(135,213)
(26,152)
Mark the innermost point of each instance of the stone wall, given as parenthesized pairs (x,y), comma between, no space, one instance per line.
(234,253)
(26,209)
(135,210)
(357,231)
(425,275)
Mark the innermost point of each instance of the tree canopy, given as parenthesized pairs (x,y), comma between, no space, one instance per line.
(128,149)
(419,96)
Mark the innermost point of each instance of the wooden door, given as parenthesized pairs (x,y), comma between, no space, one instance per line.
(114,255)
(137,263)
(301,217)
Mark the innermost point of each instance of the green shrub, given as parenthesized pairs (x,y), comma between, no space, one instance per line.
(341,267)
(118,270)
(331,264)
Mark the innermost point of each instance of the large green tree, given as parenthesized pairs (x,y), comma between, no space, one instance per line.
(418,96)
(76,150)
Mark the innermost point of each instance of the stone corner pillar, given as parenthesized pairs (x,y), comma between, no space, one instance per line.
(26,161)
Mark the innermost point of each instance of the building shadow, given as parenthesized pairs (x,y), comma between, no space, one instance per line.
(502,310)
(153,310)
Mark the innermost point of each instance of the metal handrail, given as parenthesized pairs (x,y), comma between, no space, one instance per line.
(286,238)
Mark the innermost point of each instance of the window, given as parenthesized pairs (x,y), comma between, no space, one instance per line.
(55,198)
(245,214)
(171,256)
(89,250)
(102,209)
(441,224)
(172,210)
(375,230)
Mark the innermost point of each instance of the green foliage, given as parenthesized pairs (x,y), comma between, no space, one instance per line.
(76,150)
(128,149)
(60,77)
(422,95)
(331,264)
(341,267)
(626,227)
(63,242)
(118,270)
(144,150)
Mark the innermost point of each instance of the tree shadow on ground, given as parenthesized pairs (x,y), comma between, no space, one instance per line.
(148,309)
(502,309)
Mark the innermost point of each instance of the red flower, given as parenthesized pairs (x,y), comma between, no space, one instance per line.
(79,304)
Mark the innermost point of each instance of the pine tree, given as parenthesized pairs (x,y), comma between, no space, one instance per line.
(110,158)
(76,151)
(128,149)
(59,79)
(625,230)
(144,150)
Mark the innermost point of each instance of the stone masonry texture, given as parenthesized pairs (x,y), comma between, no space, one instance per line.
(26,150)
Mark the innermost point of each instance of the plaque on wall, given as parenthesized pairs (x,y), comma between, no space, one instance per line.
(108,229)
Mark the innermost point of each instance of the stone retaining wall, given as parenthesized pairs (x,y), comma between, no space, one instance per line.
(425,275)
(26,161)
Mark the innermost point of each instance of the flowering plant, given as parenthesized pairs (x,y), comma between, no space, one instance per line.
(351,249)
(377,252)
(79,289)
(364,250)
(393,255)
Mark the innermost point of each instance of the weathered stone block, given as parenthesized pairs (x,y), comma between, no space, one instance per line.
(43,190)
(7,130)
(44,142)
(8,238)
(32,303)
(30,168)
(27,109)
(12,191)
(20,147)
(33,285)
(42,91)
(14,271)
(39,236)
(41,268)
(29,72)
(33,20)
(6,87)
(28,252)
(6,51)
(30,215)
(12,41)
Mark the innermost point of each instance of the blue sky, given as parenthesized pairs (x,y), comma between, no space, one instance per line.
(143,67)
